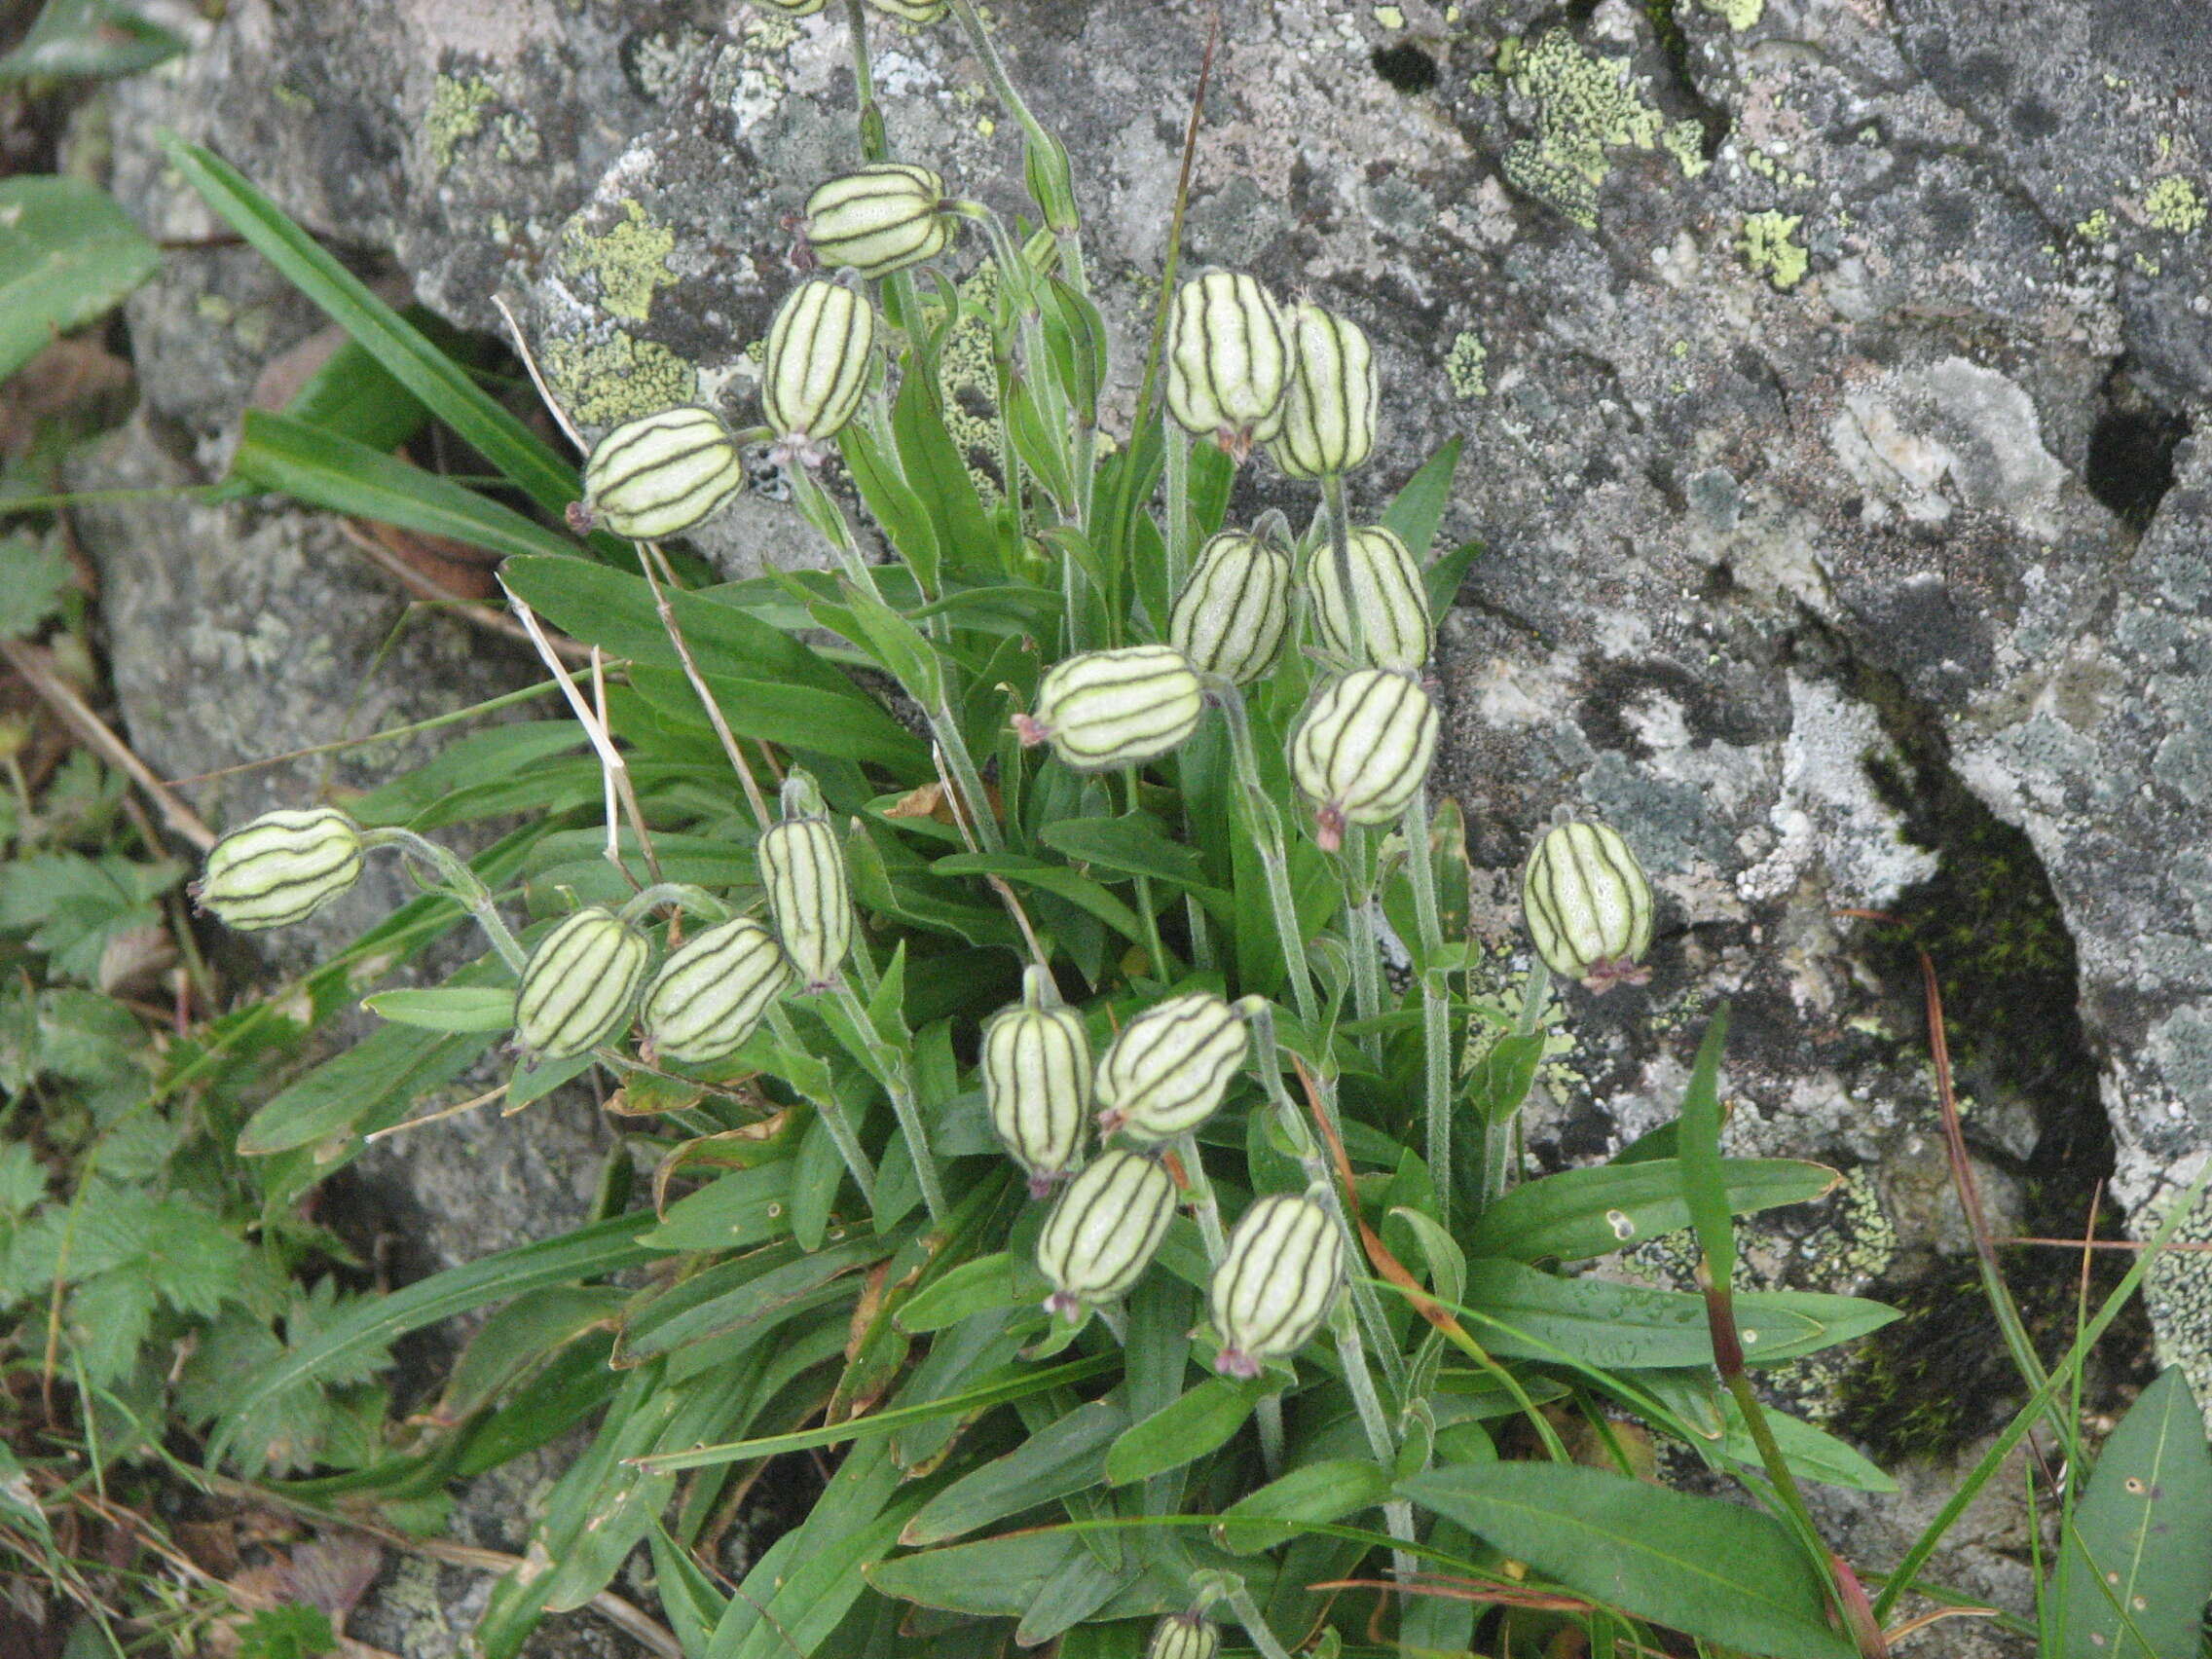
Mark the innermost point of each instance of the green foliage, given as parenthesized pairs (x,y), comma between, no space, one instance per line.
(67,256)
(839,1255)
(101,38)
(287,1630)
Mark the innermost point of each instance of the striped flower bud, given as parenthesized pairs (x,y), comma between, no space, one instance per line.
(1232,615)
(1277,1282)
(1184,1636)
(1166,1072)
(815,367)
(1362,750)
(911,11)
(708,997)
(1588,906)
(1103,1231)
(878,218)
(803,868)
(659,476)
(578,983)
(282,868)
(791,8)
(1228,362)
(1387,590)
(1109,709)
(1328,416)
(1037,1081)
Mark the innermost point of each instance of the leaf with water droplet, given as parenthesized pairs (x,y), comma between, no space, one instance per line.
(2141,1530)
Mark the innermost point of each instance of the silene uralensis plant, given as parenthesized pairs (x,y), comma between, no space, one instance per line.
(1094,1126)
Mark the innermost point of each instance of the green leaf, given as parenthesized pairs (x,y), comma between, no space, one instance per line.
(1315,1493)
(2136,1575)
(996,1281)
(291,1629)
(1712,1569)
(1579,1213)
(353,395)
(444,386)
(939,474)
(1416,511)
(798,717)
(731,1213)
(883,1422)
(1186,1429)
(1620,1327)
(325,470)
(74,907)
(614,611)
(1698,1155)
(900,512)
(1057,879)
(67,255)
(1441,579)
(447,1008)
(371,1083)
(33,577)
(995,1578)
(1501,1076)
(522,1335)
(96,38)
(799,1591)
(1130,845)
(1065,1457)
(372,1324)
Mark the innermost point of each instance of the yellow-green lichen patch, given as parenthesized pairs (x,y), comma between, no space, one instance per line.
(1738,15)
(2096,227)
(968,379)
(1684,140)
(765,32)
(1586,104)
(1463,365)
(1768,250)
(2175,203)
(630,260)
(618,380)
(456,114)
(1390,16)
(1767,167)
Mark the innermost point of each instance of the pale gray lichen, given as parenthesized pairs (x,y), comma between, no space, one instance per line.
(1464,365)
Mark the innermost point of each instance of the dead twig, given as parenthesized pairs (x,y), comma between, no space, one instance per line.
(36,666)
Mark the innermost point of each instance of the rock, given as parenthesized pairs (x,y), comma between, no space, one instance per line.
(1821,364)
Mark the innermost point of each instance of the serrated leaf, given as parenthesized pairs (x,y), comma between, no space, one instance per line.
(2141,1529)
(1712,1569)
(33,577)
(108,1316)
(68,254)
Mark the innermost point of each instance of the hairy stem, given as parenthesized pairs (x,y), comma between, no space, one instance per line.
(1435,1006)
